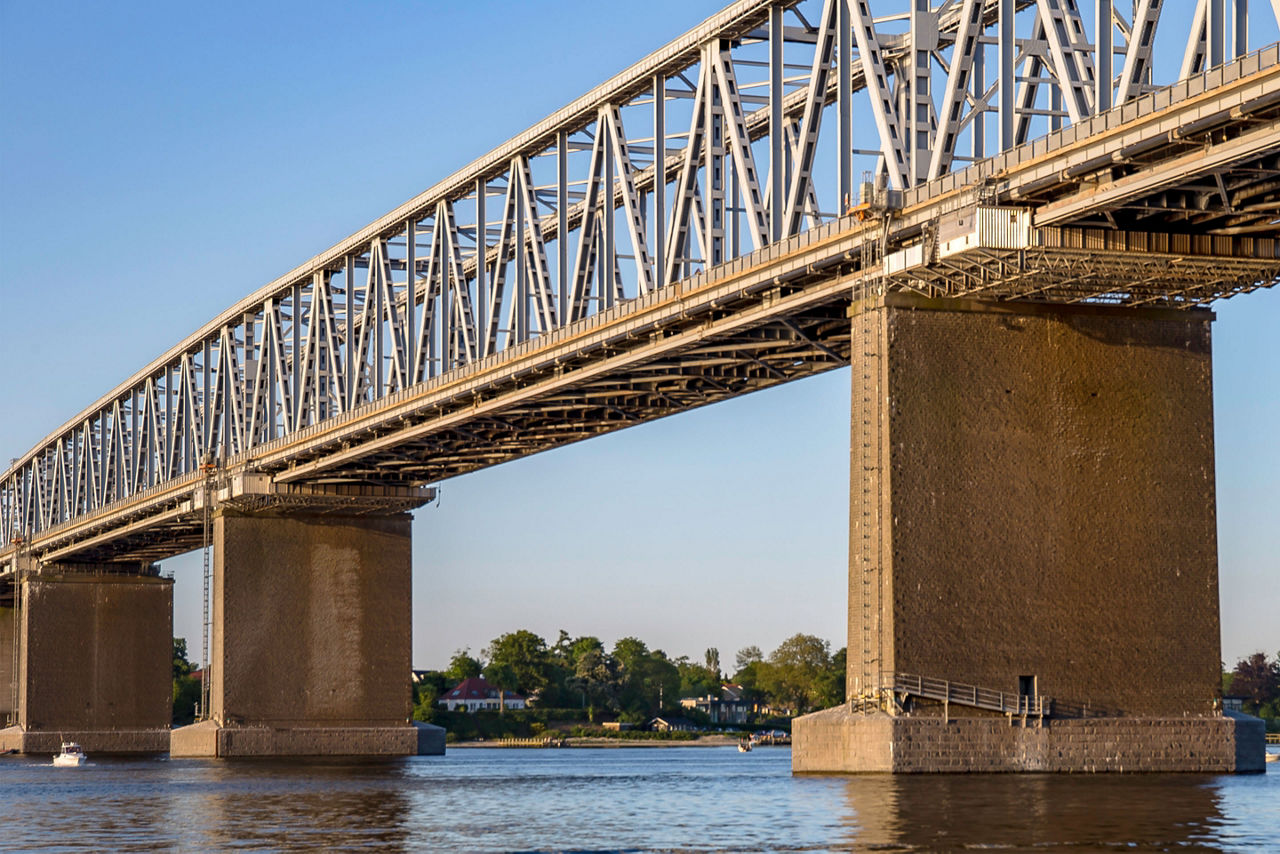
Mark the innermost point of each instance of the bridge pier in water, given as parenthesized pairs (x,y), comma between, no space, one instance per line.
(311,637)
(86,656)
(1032,513)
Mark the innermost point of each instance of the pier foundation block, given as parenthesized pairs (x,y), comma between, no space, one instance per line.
(94,662)
(1032,513)
(311,639)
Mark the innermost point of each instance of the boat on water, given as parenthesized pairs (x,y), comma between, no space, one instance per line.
(71,756)
(744,746)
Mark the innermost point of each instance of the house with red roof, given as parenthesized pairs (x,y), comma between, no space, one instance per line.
(474,694)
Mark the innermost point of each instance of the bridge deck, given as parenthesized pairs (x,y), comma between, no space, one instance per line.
(1170,199)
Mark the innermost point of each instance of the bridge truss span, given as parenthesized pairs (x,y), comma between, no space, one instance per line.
(689,231)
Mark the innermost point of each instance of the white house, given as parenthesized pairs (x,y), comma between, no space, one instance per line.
(474,694)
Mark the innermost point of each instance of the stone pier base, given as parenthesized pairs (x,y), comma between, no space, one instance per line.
(840,741)
(210,740)
(93,741)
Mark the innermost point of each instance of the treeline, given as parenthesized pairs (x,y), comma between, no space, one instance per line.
(1256,679)
(634,683)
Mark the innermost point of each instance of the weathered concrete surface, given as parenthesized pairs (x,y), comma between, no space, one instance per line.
(154,740)
(1046,504)
(1250,741)
(311,638)
(7,645)
(210,739)
(430,739)
(95,663)
(837,740)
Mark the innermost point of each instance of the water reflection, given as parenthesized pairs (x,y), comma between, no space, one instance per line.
(664,799)
(305,803)
(1159,812)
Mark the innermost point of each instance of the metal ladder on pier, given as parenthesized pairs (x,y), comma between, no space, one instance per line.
(867,405)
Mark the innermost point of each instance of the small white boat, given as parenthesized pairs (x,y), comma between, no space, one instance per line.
(71,756)
(744,747)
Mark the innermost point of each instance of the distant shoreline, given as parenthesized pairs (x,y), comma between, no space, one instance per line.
(706,741)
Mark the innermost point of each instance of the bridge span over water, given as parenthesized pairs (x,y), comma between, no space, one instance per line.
(705,224)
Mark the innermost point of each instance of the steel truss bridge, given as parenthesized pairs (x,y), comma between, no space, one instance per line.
(688,231)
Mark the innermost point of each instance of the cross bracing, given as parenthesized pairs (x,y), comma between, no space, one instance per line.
(681,234)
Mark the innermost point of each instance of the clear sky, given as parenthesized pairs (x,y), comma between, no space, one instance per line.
(158,161)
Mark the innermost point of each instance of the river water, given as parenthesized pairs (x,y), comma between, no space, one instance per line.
(665,799)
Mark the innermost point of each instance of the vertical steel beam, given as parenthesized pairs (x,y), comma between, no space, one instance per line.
(482,284)
(410,298)
(349,330)
(659,182)
(978,86)
(1239,27)
(562,223)
(918,124)
(206,399)
(1005,81)
(777,164)
(713,165)
(844,106)
(1103,29)
(1215,33)
(379,311)
(295,355)
(520,325)
(608,220)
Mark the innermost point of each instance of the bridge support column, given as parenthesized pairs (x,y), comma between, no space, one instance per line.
(94,661)
(8,659)
(1032,513)
(311,639)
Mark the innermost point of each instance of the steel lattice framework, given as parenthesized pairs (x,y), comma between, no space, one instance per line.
(689,231)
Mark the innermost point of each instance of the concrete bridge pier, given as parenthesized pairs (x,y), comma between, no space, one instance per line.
(86,656)
(311,635)
(1033,514)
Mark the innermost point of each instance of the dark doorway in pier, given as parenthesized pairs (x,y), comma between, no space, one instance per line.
(1026,686)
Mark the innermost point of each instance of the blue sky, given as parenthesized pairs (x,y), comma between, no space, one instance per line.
(158,161)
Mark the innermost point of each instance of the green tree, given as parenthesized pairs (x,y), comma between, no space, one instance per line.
(831,684)
(649,679)
(527,655)
(181,666)
(596,679)
(697,680)
(503,677)
(797,668)
(1257,679)
(462,666)
(746,656)
(186,689)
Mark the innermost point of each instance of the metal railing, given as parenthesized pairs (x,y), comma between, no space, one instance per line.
(972,695)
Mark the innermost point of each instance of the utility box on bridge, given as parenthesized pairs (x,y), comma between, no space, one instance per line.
(983,227)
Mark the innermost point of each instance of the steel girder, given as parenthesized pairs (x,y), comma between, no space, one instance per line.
(709,150)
